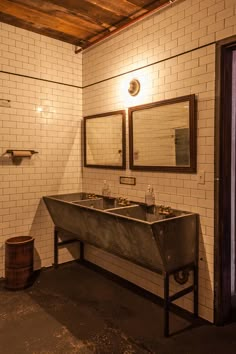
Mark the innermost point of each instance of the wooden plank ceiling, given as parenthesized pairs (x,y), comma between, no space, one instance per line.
(79,22)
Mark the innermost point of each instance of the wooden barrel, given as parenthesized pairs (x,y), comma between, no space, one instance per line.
(19,261)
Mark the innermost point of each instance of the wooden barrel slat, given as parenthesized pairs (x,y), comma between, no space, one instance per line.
(19,259)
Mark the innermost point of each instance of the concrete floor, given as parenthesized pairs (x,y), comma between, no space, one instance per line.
(75,309)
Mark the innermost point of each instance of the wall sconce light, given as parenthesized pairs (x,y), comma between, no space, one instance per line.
(134,87)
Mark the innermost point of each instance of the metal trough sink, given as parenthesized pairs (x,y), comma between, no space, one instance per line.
(136,232)
(167,245)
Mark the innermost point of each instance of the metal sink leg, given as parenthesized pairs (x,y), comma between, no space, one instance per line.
(58,244)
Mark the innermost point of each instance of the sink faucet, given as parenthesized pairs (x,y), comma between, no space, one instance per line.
(165,210)
(123,201)
(92,196)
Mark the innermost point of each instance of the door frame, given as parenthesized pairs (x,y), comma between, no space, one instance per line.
(222,225)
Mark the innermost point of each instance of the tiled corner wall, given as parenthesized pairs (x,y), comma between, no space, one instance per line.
(42,78)
(172,53)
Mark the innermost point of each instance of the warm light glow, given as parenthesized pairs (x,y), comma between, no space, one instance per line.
(39,109)
(145,90)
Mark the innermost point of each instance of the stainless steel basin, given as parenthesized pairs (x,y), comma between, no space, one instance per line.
(102,203)
(91,200)
(144,213)
(70,197)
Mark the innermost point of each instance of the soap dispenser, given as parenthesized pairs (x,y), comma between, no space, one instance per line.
(150,196)
(106,189)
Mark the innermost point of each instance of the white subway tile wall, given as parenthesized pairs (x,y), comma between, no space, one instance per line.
(168,41)
(31,54)
(43,116)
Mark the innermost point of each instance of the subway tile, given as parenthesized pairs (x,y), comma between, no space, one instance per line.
(56,133)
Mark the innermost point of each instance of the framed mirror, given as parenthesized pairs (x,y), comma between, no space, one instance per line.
(104,140)
(163,136)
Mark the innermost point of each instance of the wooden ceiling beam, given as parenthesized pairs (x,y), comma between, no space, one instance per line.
(43,20)
(119,7)
(54,11)
(146,4)
(79,22)
(87,13)
(89,10)
(46,32)
(162,4)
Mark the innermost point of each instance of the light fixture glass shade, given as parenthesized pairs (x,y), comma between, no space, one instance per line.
(134,87)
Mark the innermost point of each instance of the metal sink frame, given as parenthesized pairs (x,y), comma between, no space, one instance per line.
(135,232)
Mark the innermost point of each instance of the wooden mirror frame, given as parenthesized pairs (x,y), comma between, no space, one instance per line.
(103,115)
(191,168)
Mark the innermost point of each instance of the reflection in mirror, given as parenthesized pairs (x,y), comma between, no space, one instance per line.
(104,140)
(163,135)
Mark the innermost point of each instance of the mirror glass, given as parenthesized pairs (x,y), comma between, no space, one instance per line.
(104,140)
(162,135)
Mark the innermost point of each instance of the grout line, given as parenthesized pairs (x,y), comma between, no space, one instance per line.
(115,76)
(151,64)
(37,78)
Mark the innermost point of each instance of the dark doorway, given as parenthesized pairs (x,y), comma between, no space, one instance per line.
(233,183)
(225,181)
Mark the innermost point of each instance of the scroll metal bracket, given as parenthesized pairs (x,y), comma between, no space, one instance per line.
(181,277)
